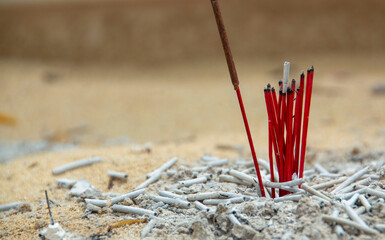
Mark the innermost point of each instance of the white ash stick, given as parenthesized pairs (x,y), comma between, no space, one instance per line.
(235,200)
(360,210)
(286,73)
(365,202)
(209,158)
(372,176)
(242,176)
(351,179)
(77,164)
(314,197)
(218,162)
(249,170)
(171,195)
(344,221)
(380,227)
(280,184)
(131,195)
(233,219)
(351,187)
(288,198)
(190,182)
(173,189)
(65,183)
(352,214)
(338,229)
(203,196)
(133,210)
(352,200)
(329,175)
(9,206)
(172,201)
(227,201)
(329,183)
(292,189)
(320,169)
(246,178)
(228,178)
(314,192)
(262,164)
(265,165)
(163,168)
(201,206)
(374,192)
(96,202)
(349,195)
(155,177)
(147,229)
(229,194)
(117,175)
(309,172)
(93,208)
(245,163)
(199,169)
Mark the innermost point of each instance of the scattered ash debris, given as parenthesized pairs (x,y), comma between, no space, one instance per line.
(219,198)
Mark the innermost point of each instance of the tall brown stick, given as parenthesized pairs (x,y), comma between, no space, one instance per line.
(235,82)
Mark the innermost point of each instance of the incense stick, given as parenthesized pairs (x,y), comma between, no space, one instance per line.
(235,82)
(49,208)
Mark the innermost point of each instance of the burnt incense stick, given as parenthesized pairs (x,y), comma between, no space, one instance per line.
(270,128)
(285,124)
(298,120)
(309,86)
(49,208)
(235,82)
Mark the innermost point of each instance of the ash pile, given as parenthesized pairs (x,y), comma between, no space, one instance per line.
(220,199)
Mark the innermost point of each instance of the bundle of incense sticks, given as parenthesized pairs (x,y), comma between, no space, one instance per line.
(284,125)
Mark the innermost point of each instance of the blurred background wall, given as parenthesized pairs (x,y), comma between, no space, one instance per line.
(149,70)
(159,31)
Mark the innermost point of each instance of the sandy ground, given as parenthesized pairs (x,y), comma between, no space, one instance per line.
(188,99)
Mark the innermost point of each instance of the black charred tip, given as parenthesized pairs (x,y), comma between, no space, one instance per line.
(265,89)
(293,81)
(280,82)
(312,68)
(302,75)
(273,89)
(289,91)
(268,85)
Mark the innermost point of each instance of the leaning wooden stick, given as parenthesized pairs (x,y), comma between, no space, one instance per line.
(235,82)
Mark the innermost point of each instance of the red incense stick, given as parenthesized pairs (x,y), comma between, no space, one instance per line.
(235,82)
(309,86)
(298,120)
(270,129)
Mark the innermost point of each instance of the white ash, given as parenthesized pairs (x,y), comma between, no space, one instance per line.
(302,217)
(84,189)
